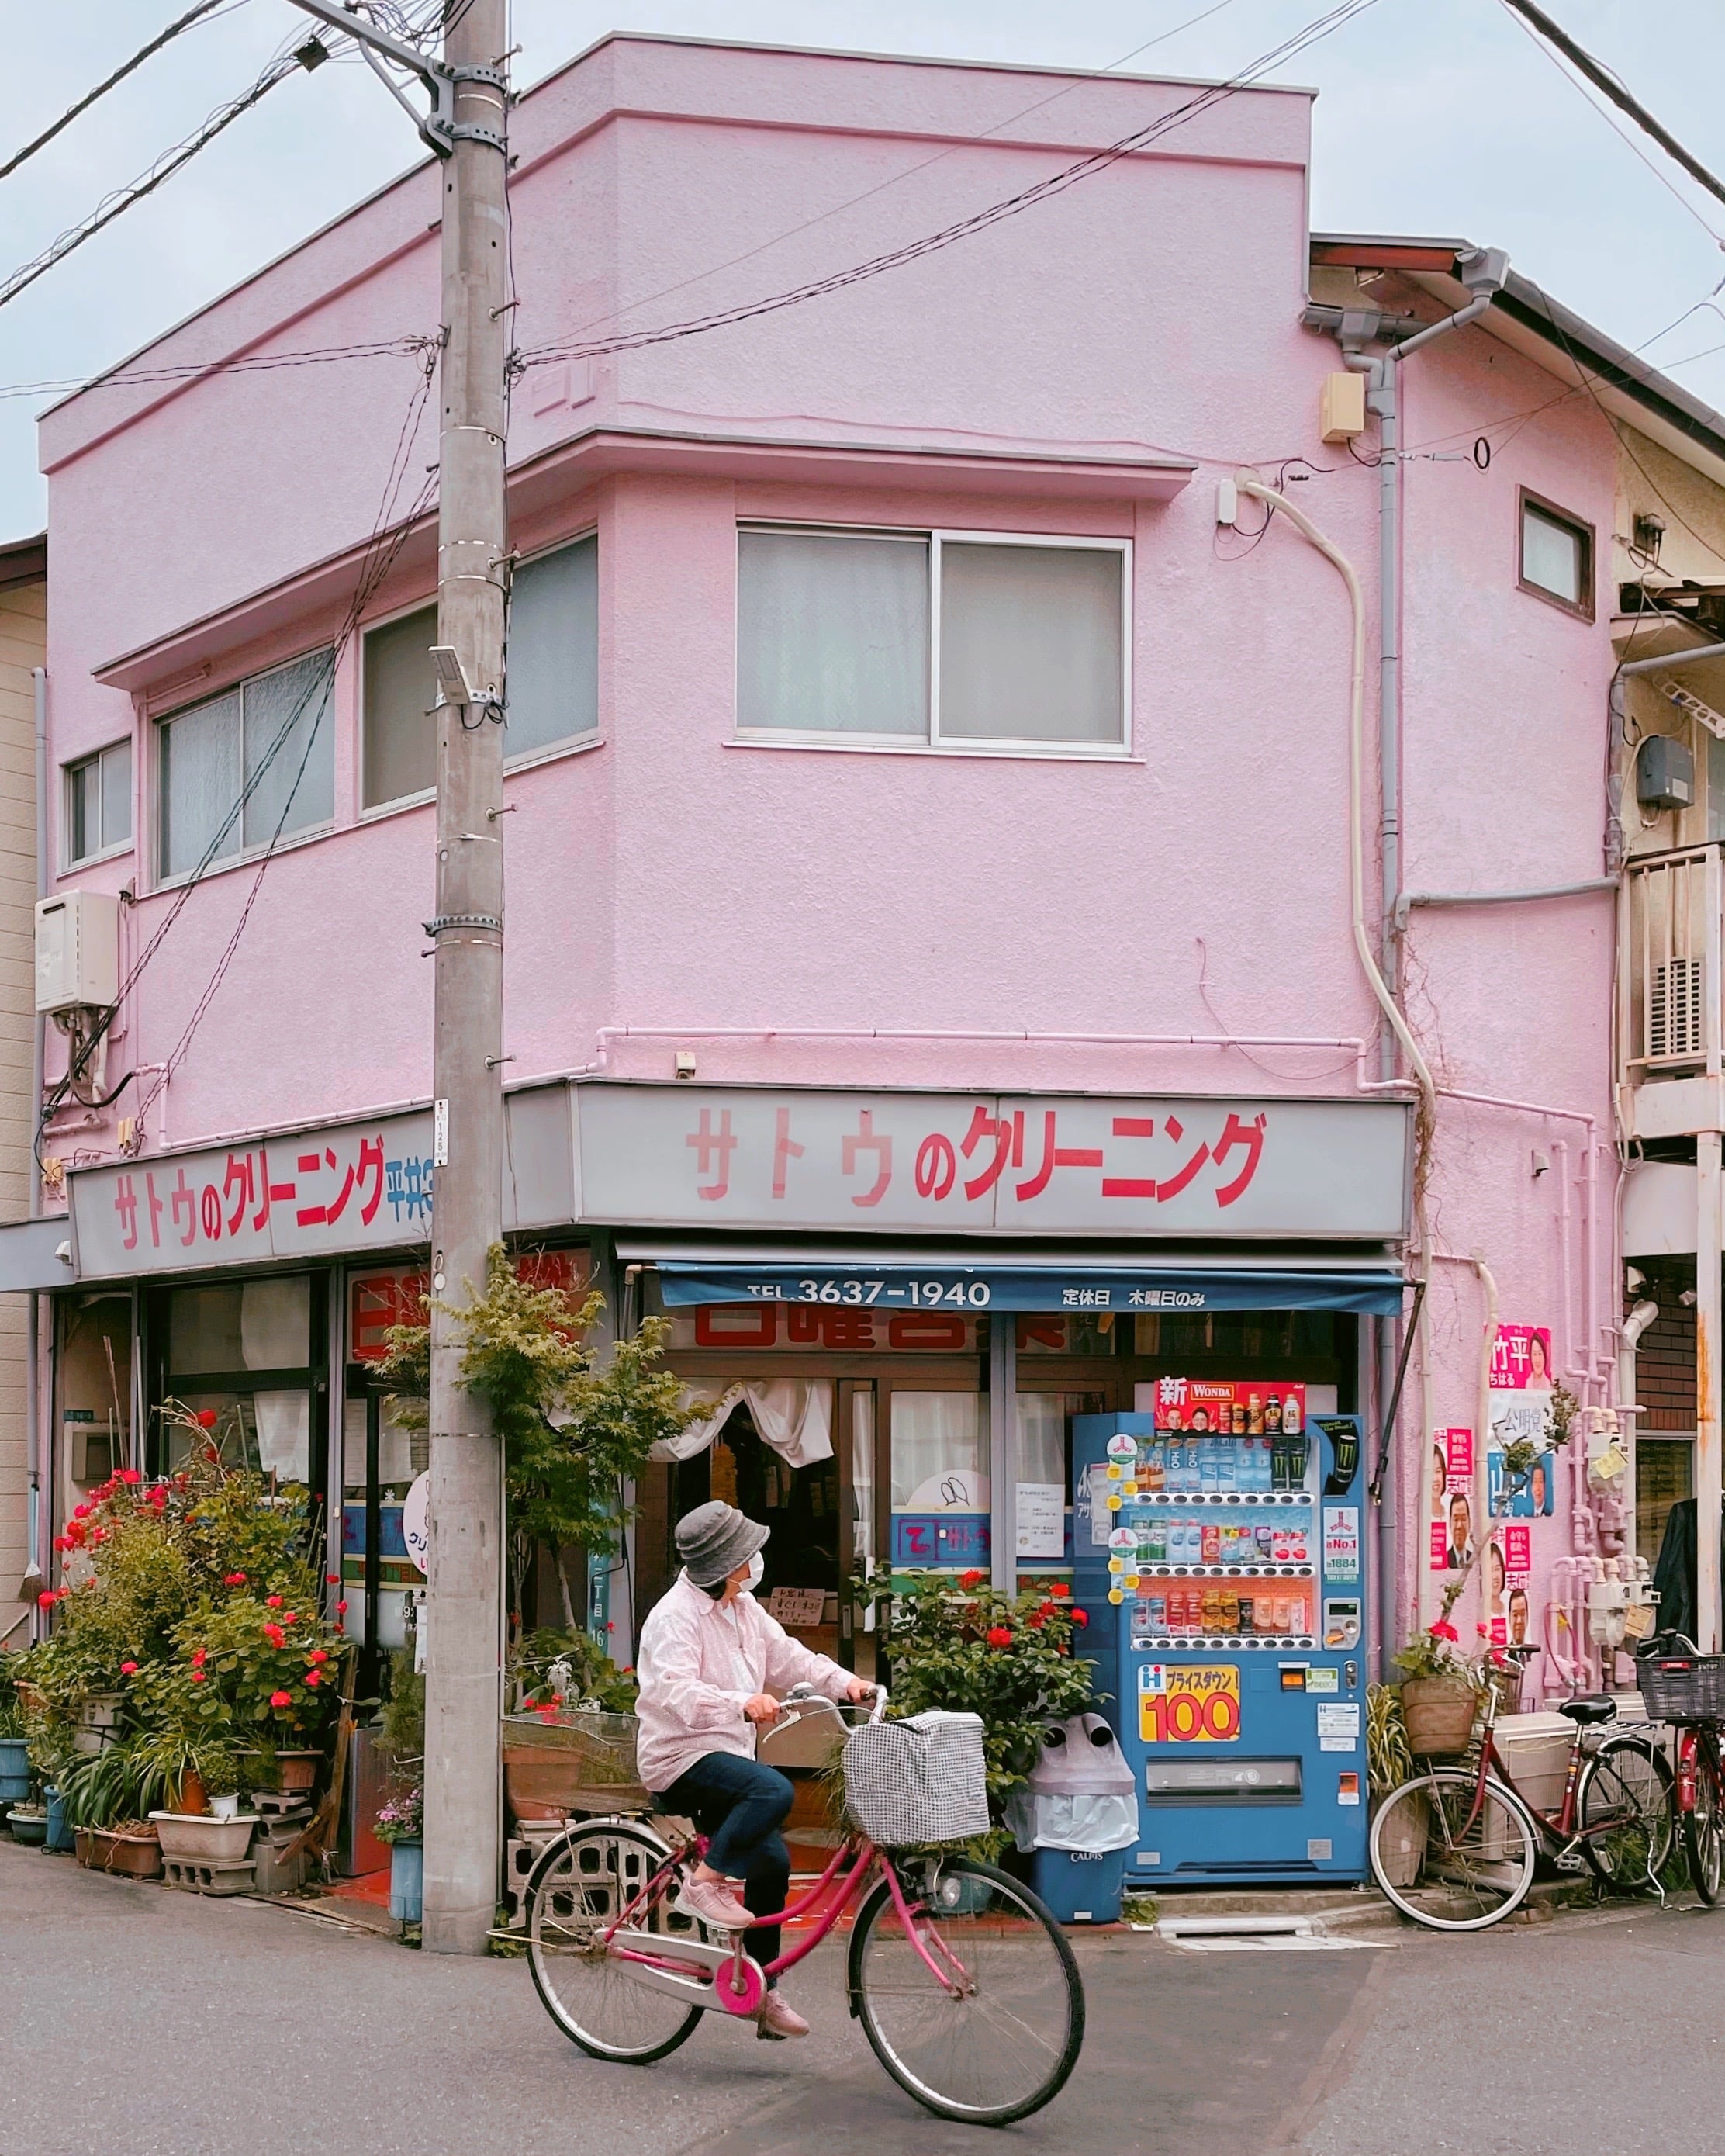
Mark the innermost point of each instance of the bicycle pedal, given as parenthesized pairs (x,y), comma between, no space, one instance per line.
(1570,1860)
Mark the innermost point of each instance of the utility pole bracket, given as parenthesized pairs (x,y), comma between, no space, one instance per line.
(440,129)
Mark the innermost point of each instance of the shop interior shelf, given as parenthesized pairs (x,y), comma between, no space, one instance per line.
(1218,1497)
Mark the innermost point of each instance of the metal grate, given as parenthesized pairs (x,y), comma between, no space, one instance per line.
(1676,1010)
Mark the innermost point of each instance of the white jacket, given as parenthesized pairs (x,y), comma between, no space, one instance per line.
(699,1660)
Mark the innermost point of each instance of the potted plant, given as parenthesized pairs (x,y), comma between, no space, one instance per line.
(1440,1692)
(29,1823)
(14,1751)
(401,1824)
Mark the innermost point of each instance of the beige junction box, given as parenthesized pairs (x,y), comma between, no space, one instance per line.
(1535,1748)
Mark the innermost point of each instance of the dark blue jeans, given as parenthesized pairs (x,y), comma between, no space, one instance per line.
(741,1805)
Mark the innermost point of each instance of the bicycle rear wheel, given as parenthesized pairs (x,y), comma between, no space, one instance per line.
(1623,1807)
(1446,1865)
(998,2039)
(582,1885)
(1704,1828)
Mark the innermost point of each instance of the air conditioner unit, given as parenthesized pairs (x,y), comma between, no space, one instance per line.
(1676,1011)
(77,951)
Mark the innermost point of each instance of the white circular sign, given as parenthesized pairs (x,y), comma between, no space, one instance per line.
(416,1522)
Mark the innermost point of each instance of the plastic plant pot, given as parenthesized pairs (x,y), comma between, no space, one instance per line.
(59,1832)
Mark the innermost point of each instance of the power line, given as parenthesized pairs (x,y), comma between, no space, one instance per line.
(896,258)
(1603,79)
(146,52)
(165,166)
(126,377)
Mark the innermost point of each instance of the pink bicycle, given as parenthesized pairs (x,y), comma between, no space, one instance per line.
(966,1986)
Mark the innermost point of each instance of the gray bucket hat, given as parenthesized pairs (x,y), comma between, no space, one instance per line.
(714,1539)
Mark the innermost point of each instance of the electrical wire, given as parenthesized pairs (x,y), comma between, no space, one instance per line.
(128,67)
(196,370)
(116,204)
(982,220)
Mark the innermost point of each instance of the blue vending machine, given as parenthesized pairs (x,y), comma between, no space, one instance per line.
(1228,1557)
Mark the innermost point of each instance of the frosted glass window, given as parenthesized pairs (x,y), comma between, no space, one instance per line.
(289,748)
(832,633)
(401,755)
(936,1436)
(283,1422)
(553,680)
(257,1325)
(1556,557)
(1031,644)
(275,735)
(276,1324)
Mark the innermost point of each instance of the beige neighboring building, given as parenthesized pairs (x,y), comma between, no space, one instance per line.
(23,648)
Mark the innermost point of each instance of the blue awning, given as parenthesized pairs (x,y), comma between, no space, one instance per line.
(1055,1286)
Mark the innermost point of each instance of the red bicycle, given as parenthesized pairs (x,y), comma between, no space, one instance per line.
(966,1986)
(1686,1688)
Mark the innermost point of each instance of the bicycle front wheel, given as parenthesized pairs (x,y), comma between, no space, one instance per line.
(1623,1811)
(1704,1828)
(1451,1854)
(993,2036)
(578,1888)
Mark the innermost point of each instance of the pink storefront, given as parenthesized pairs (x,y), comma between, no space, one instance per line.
(929,804)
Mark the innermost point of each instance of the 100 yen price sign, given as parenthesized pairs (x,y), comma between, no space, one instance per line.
(1196,1704)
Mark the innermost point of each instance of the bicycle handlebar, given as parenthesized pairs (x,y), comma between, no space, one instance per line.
(803,1700)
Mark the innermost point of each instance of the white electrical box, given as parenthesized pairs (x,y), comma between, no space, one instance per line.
(77,951)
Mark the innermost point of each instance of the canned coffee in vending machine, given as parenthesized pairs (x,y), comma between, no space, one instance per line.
(1230,1634)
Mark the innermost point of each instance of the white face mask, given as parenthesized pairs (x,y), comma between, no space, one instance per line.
(757,1573)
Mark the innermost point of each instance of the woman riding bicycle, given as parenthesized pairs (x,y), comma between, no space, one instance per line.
(709,1663)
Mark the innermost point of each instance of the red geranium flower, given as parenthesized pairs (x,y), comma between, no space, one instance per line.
(158,1498)
(46,1598)
(971,1579)
(81,1511)
(274,1601)
(341,1608)
(1059,1586)
(62,1542)
(275,1635)
(281,1699)
(332,1579)
(288,1618)
(198,1655)
(999,1636)
(128,1669)
(100,1535)
(197,1676)
(1442,1631)
(311,1678)
(320,1654)
(129,1475)
(233,1580)
(1036,1621)
(1080,1617)
(206,1418)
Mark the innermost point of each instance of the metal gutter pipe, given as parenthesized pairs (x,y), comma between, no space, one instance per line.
(1407,900)
(37,1539)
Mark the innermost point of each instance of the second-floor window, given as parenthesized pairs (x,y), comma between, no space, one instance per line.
(99,803)
(1556,560)
(248,765)
(951,640)
(552,683)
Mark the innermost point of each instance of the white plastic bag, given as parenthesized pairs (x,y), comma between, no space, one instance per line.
(1091,1824)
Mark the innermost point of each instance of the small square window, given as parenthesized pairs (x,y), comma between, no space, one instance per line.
(99,803)
(1556,556)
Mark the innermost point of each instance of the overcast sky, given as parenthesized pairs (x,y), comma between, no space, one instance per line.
(1436,117)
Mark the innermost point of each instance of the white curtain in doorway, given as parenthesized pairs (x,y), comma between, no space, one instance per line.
(794,1415)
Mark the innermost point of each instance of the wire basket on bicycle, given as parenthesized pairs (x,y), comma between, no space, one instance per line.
(1683,1687)
(921,1780)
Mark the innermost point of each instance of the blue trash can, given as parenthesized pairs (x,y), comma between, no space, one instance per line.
(1080,1886)
(407,1881)
(60,1835)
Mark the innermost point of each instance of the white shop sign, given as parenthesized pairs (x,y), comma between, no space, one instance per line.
(979,1163)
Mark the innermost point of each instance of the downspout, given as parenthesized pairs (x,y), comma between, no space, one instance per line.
(37,1543)
(1483,271)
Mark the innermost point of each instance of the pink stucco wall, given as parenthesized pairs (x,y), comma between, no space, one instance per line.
(669,877)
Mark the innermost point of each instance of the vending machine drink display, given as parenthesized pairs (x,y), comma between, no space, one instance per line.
(1222,1535)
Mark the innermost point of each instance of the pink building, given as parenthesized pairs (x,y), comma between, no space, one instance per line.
(929,825)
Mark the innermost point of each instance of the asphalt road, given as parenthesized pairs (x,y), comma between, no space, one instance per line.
(135,2020)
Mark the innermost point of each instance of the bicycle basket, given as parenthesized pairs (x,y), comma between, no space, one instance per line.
(1683,1687)
(919,1780)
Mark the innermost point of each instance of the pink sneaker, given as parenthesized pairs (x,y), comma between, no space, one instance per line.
(710,1901)
(779,2020)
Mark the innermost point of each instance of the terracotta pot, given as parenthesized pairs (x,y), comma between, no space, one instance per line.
(191,1796)
(1439,1713)
(299,1770)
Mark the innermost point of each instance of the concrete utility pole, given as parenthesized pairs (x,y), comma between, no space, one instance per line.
(466,128)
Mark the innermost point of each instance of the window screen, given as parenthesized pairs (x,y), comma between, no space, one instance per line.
(832,633)
(400,748)
(554,649)
(1031,644)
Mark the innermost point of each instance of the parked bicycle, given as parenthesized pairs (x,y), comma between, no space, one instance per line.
(965,1985)
(1455,1848)
(1687,1688)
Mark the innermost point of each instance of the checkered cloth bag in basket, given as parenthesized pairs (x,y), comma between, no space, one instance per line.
(922,1779)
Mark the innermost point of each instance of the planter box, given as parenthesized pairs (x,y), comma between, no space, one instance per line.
(28,1828)
(299,1770)
(129,1855)
(580,1763)
(199,1837)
